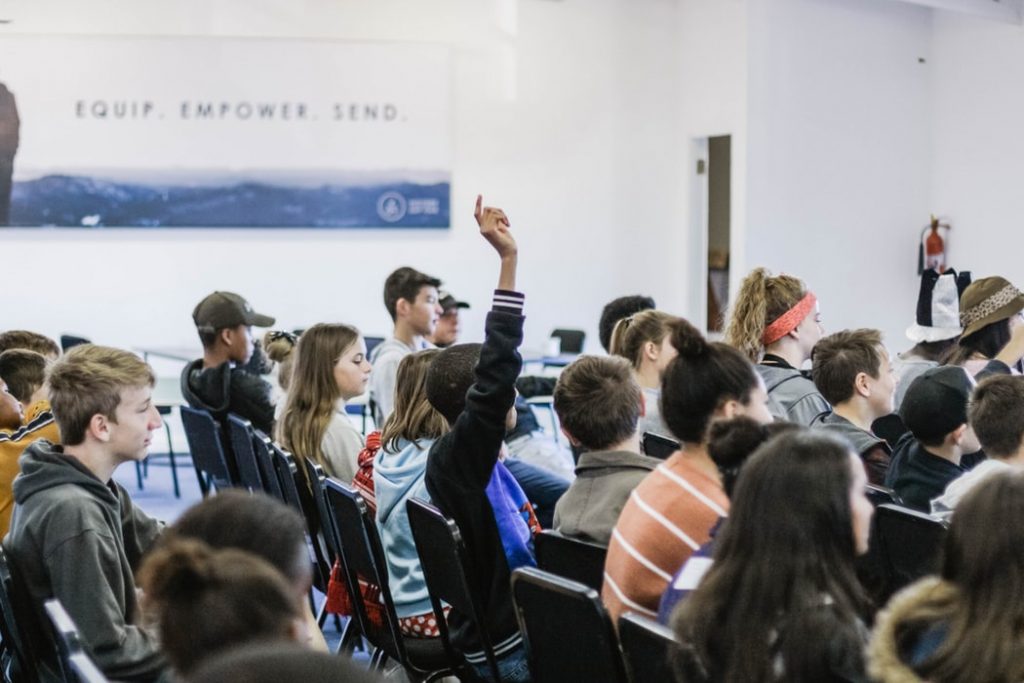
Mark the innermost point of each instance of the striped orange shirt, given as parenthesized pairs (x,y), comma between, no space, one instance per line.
(668,516)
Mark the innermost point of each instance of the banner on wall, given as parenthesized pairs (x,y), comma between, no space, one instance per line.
(172,132)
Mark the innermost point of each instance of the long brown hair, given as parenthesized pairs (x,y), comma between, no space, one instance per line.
(631,334)
(984,562)
(313,390)
(761,300)
(413,417)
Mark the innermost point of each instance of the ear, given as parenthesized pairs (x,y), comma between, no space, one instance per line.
(573,441)
(226,336)
(957,435)
(861,385)
(299,631)
(402,308)
(651,350)
(730,409)
(99,427)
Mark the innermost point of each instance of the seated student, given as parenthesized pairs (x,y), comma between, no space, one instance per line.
(214,382)
(775,322)
(989,312)
(446,331)
(205,601)
(996,413)
(399,471)
(279,661)
(782,601)
(925,461)
(412,301)
(671,513)
(330,369)
(598,402)
(280,349)
(964,624)
(851,369)
(473,387)
(30,341)
(730,444)
(644,340)
(75,534)
(24,418)
(936,328)
(259,525)
(617,309)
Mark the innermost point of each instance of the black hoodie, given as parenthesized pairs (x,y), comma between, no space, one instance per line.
(224,389)
(77,539)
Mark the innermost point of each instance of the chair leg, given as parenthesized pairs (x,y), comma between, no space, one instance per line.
(170,456)
(138,474)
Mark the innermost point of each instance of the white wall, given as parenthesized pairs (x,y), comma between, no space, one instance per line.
(978,147)
(562,113)
(838,153)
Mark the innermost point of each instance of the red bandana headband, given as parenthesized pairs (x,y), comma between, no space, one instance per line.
(788,321)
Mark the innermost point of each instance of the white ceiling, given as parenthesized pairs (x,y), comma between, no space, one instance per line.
(1002,10)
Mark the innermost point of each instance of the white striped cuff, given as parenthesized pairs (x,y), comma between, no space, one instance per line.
(507,301)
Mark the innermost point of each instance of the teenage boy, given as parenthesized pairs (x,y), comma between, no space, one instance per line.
(598,402)
(75,534)
(446,331)
(24,417)
(996,412)
(412,301)
(217,382)
(927,459)
(473,387)
(851,370)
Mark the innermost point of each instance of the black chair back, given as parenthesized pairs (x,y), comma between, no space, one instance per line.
(911,542)
(325,520)
(70,341)
(261,446)
(444,560)
(372,343)
(658,446)
(206,445)
(69,642)
(20,629)
(85,669)
(240,431)
(296,494)
(646,646)
(571,558)
(569,635)
(571,340)
(881,495)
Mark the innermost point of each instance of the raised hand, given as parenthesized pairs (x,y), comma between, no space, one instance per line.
(494,226)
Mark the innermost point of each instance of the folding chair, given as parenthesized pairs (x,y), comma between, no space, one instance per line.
(646,647)
(22,634)
(571,340)
(423,659)
(569,635)
(658,446)
(206,445)
(301,500)
(911,542)
(261,446)
(240,431)
(85,669)
(66,635)
(881,495)
(571,558)
(444,560)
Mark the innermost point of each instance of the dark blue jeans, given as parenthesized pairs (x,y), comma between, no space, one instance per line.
(513,668)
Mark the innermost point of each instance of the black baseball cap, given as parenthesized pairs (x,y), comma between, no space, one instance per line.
(936,402)
(227,309)
(447,302)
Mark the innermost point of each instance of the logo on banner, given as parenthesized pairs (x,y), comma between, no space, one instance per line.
(391,207)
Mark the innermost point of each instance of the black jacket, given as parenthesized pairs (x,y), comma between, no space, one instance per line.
(458,470)
(223,389)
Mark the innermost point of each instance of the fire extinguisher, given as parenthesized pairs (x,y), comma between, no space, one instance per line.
(932,251)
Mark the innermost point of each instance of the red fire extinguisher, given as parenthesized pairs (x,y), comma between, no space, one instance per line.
(932,252)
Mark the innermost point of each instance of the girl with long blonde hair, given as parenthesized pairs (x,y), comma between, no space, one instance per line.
(330,368)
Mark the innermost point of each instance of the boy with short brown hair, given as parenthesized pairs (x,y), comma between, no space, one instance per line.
(851,370)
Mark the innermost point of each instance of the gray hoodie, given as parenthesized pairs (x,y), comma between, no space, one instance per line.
(77,539)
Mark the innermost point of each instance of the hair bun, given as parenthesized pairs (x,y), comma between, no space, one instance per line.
(183,567)
(687,340)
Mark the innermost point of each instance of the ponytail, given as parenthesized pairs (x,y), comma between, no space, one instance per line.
(761,300)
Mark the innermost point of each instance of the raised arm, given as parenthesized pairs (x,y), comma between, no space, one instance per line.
(494,226)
